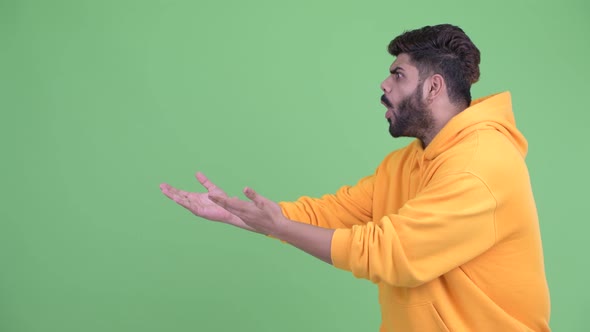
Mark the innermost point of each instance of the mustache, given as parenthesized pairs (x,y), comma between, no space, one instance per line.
(386,101)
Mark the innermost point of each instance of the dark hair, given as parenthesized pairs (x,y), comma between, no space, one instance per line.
(442,49)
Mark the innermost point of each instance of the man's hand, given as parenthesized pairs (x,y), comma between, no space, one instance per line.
(260,213)
(200,204)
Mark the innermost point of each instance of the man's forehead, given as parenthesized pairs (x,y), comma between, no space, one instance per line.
(402,61)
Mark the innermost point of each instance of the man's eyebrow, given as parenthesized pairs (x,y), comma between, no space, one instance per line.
(395,70)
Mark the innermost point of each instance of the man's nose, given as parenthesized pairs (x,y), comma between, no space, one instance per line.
(385,86)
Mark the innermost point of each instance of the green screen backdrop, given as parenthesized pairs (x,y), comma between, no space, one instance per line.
(101,101)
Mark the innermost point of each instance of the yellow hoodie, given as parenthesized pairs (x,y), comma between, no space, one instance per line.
(449,233)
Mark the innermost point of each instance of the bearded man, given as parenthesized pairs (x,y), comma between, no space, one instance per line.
(446,227)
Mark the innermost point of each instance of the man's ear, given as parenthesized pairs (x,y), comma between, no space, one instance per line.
(434,87)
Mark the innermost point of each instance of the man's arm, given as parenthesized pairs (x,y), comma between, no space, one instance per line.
(445,226)
(314,240)
(448,223)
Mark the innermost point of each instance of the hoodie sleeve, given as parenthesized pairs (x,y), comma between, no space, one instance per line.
(349,206)
(447,224)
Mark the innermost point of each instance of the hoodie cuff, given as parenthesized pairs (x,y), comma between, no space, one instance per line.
(340,249)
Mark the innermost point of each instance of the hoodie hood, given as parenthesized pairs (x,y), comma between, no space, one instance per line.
(493,111)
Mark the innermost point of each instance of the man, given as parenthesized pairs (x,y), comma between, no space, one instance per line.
(446,227)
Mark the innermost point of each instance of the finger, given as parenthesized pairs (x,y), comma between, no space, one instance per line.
(177,195)
(222,201)
(205,181)
(233,204)
(258,200)
(167,189)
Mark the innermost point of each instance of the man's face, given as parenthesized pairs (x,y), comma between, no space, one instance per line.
(407,112)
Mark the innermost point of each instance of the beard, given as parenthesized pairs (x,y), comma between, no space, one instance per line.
(413,118)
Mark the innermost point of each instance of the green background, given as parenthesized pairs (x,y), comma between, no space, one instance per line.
(101,101)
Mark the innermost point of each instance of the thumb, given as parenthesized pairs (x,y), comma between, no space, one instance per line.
(258,200)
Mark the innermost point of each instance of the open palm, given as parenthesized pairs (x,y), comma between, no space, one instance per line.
(200,204)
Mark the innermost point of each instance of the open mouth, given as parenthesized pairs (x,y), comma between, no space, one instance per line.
(389,114)
(386,102)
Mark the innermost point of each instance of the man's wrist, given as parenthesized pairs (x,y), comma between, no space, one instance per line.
(281,229)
